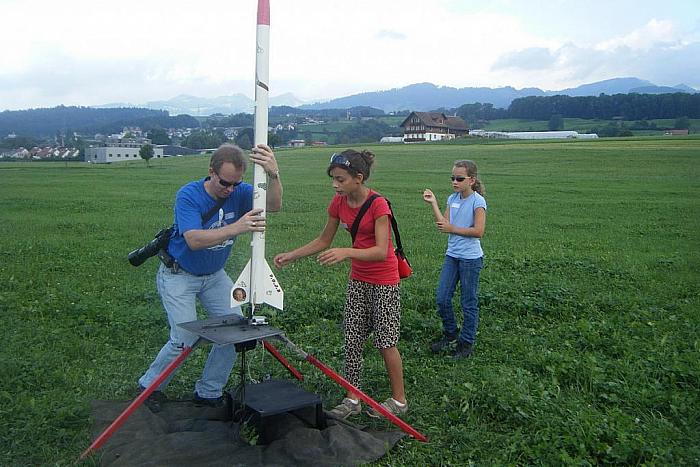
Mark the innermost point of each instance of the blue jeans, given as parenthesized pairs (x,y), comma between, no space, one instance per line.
(178,292)
(466,272)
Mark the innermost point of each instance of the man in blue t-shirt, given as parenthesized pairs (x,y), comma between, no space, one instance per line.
(200,248)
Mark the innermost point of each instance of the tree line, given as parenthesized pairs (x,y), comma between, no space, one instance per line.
(631,106)
(46,123)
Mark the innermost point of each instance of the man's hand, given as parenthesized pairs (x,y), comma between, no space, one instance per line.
(264,157)
(251,221)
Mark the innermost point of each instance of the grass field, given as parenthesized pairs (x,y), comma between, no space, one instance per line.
(589,343)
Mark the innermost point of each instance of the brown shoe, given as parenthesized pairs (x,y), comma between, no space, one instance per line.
(392,406)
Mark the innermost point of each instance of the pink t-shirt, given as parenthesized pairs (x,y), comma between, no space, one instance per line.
(375,272)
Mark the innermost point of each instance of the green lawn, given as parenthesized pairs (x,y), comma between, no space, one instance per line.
(588,349)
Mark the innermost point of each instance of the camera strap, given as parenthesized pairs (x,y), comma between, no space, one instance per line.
(163,254)
(212,211)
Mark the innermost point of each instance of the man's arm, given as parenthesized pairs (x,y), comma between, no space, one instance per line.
(199,239)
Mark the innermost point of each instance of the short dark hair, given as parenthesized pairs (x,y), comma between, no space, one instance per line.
(228,153)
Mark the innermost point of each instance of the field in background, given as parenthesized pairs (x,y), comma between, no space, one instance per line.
(588,347)
(330,131)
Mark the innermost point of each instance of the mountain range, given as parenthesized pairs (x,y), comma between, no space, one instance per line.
(420,97)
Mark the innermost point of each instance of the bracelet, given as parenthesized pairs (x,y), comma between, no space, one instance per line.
(274,175)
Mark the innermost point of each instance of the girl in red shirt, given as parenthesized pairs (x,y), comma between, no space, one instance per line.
(373,298)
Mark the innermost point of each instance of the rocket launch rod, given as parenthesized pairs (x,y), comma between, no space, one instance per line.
(349,387)
(109,431)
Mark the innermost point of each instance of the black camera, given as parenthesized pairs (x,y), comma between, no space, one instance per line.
(159,242)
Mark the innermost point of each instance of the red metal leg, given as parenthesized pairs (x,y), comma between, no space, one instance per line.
(109,431)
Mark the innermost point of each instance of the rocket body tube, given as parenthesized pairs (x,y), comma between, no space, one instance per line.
(257,279)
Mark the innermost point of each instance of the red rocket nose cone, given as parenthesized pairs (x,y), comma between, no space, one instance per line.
(264,12)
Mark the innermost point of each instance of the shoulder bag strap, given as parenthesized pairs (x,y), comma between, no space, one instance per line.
(395,228)
(358,218)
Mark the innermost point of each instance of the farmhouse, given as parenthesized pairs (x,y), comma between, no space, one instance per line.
(432,126)
(118,150)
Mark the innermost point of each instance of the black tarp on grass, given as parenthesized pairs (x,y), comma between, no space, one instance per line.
(183,434)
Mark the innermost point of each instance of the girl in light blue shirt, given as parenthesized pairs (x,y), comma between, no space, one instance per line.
(464,220)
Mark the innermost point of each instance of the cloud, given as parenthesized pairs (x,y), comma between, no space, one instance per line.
(657,52)
(534,58)
(652,34)
(135,51)
(385,34)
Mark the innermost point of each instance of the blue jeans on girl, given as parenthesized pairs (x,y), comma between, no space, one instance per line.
(466,272)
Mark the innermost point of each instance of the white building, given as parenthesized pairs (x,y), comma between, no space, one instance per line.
(391,139)
(118,150)
(532,134)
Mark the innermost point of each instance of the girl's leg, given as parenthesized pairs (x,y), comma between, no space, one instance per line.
(386,325)
(394,368)
(469,270)
(446,288)
(356,328)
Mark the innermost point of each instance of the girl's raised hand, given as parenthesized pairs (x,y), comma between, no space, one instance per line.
(428,196)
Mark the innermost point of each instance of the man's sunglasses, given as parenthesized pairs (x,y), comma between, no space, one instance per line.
(458,179)
(226,184)
(339,159)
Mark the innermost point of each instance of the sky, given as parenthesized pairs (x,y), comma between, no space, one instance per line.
(93,52)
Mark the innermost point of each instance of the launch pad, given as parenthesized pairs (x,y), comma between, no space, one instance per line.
(230,329)
(261,401)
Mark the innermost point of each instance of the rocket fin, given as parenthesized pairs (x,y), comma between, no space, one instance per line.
(273,294)
(240,293)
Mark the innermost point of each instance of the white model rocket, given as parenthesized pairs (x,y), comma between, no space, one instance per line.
(257,284)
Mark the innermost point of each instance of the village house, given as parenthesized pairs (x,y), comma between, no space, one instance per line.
(432,126)
(42,153)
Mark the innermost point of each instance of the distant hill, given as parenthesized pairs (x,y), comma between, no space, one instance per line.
(427,96)
(46,123)
(608,86)
(419,96)
(204,106)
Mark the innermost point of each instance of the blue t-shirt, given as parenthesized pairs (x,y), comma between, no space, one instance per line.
(191,203)
(462,215)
